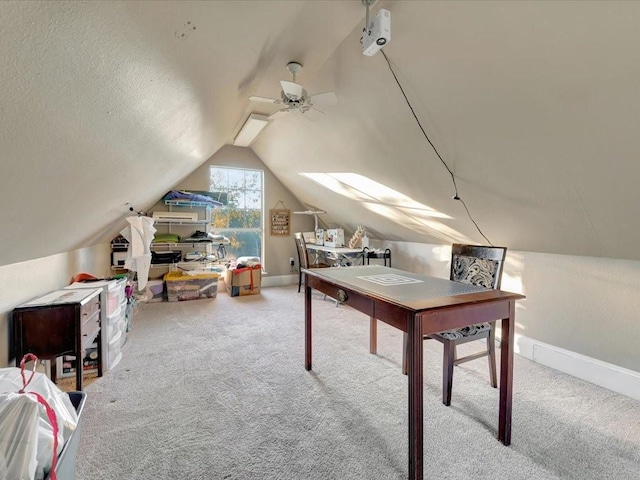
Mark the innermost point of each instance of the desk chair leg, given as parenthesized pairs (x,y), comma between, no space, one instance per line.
(373,335)
(448,360)
(299,279)
(491,347)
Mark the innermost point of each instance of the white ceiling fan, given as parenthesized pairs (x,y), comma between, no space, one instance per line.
(295,98)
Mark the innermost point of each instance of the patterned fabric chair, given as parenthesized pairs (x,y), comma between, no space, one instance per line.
(480,266)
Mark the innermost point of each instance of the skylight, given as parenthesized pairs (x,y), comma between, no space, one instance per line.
(388,203)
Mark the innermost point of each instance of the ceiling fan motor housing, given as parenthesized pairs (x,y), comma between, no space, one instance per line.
(295,98)
(294,68)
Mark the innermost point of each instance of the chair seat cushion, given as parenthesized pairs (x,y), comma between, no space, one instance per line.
(465,331)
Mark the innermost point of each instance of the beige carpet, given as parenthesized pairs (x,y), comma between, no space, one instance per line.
(216,389)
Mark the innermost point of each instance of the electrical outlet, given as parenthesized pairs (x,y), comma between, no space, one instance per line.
(292,262)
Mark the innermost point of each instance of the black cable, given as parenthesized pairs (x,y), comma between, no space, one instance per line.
(453,178)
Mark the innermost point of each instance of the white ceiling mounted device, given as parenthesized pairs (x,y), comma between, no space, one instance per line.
(294,98)
(377,32)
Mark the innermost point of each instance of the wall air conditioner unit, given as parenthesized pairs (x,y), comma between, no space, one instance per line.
(180,216)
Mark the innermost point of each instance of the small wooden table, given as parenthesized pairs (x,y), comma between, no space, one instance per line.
(420,305)
(61,322)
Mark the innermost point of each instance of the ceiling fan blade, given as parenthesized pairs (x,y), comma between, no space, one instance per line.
(264,99)
(312,113)
(327,98)
(278,114)
(293,91)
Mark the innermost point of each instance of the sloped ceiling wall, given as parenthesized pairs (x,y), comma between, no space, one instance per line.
(108,103)
(533,106)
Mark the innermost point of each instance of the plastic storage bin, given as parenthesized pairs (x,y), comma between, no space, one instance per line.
(115,296)
(66,466)
(111,300)
(115,347)
(191,287)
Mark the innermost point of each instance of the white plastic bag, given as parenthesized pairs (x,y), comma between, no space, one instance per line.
(19,424)
(38,418)
(11,382)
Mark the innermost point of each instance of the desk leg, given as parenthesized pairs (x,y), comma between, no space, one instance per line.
(373,335)
(506,375)
(53,369)
(100,352)
(415,345)
(307,325)
(79,357)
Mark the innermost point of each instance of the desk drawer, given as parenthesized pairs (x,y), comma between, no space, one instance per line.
(353,299)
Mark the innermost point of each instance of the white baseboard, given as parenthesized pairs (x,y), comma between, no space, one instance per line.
(603,374)
(279,280)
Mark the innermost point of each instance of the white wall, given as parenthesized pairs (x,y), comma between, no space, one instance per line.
(22,281)
(585,305)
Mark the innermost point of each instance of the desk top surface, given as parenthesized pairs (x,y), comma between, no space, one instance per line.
(63,297)
(405,288)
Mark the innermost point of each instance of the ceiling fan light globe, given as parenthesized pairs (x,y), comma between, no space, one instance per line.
(291,90)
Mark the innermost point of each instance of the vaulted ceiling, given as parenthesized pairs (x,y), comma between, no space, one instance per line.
(533,106)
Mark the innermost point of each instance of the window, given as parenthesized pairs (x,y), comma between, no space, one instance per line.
(241,217)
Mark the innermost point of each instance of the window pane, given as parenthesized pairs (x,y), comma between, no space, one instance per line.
(243,210)
(236,179)
(244,244)
(253,179)
(253,219)
(218,179)
(253,199)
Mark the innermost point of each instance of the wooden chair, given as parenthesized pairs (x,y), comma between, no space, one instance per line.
(481,266)
(303,257)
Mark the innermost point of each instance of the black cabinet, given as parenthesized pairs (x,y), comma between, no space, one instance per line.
(59,323)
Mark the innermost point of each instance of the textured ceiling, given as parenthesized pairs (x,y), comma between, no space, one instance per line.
(532,105)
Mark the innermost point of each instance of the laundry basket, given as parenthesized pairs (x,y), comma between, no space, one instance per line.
(66,467)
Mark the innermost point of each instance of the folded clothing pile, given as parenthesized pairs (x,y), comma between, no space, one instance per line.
(200,236)
(166,238)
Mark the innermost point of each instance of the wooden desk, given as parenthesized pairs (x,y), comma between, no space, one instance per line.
(419,305)
(58,323)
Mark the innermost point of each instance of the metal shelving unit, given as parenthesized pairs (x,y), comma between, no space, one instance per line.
(204,224)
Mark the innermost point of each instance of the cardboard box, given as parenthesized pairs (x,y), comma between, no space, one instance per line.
(243,281)
(334,237)
(191,287)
